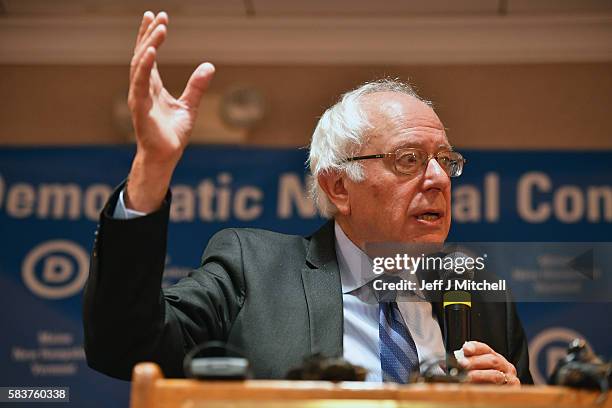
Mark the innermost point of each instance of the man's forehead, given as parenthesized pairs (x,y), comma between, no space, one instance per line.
(400,120)
(393,103)
(396,108)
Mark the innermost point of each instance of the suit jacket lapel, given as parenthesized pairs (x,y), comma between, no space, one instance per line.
(323,289)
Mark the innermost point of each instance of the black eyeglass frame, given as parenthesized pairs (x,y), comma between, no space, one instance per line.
(395,153)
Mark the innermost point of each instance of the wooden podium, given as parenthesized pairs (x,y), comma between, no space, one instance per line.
(151,390)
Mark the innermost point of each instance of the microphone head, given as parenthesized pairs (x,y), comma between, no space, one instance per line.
(454,267)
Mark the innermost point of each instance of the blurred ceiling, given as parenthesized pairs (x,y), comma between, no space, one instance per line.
(303,8)
(312,31)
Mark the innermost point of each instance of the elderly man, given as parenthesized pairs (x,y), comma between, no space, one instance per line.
(382,166)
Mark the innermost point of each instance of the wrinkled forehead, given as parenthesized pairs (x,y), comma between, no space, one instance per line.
(401,120)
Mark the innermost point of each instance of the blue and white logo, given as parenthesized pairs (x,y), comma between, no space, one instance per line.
(55,269)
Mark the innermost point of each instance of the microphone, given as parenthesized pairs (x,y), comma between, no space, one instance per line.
(457,304)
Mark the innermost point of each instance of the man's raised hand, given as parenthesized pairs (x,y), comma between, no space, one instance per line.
(162,123)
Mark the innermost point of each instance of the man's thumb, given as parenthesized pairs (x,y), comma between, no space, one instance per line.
(197,84)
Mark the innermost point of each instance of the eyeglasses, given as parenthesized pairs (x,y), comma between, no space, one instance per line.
(411,160)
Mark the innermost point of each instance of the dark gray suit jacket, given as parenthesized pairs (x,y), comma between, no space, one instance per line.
(276,297)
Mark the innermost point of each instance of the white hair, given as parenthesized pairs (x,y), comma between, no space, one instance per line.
(340,134)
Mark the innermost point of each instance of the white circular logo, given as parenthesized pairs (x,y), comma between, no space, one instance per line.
(552,341)
(62,265)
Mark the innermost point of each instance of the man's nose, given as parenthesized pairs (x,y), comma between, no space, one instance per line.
(435,176)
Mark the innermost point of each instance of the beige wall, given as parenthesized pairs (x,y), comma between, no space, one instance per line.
(567,106)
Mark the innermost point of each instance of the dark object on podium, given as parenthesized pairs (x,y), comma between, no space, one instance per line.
(453,372)
(581,368)
(219,361)
(318,367)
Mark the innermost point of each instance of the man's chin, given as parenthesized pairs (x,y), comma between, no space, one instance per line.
(433,237)
(430,239)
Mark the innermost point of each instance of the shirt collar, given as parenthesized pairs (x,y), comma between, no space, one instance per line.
(355,266)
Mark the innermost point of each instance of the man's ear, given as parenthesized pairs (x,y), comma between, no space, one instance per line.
(334,184)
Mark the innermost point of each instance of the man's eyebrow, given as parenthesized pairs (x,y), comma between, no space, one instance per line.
(420,146)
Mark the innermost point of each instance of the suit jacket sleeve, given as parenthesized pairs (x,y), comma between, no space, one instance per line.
(128,318)
(517,344)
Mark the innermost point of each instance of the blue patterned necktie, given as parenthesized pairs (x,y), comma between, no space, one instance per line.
(398,352)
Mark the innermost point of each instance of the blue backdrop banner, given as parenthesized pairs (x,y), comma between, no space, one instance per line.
(50,199)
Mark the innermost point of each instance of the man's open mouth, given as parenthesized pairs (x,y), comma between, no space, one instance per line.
(429,216)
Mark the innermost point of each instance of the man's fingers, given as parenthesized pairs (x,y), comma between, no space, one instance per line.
(154,40)
(140,83)
(197,84)
(479,356)
(160,18)
(486,362)
(475,348)
(148,38)
(491,377)
(147,19)
(513,379)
